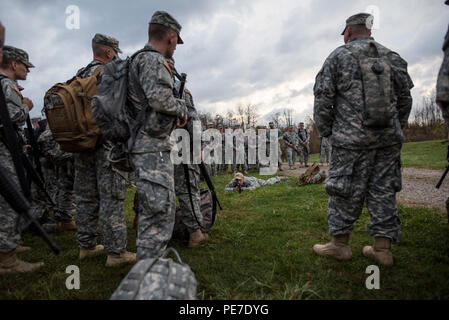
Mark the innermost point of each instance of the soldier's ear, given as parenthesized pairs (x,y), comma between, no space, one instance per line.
(13,65)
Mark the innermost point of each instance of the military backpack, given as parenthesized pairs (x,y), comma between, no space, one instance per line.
(68,110)
(158,279)
(376,72)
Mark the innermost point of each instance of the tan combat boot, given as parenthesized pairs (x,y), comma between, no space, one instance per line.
(196,238)
(66,225)
(380,251)
(338,248)
(118,260)
(10,264)
(21,249)
(92,252)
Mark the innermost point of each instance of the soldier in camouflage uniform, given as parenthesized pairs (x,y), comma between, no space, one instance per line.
(303,146)
(237,141)
(291,141)
(213,166)
(443,88)
(188,218)
(325,150)
(151,75)
(250,183)
(366,164)
(99,189)
(14,66)
(62,176)
(271,127)
(224,166)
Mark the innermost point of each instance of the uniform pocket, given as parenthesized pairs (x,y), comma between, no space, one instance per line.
(339,182)
(118,187)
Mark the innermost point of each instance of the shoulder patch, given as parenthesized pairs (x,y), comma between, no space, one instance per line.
(17,90)
(165,63)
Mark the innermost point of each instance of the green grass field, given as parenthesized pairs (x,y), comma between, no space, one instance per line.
(261,248)
(425,154)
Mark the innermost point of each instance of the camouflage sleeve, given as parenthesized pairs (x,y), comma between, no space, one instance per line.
(157,84)
(18,111)
(285,138)
(402,85)
(230,186)
(443,75)
(442,93)
(325,94)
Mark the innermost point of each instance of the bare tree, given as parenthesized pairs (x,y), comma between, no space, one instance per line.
(276,119)
(251,115)
(288,117)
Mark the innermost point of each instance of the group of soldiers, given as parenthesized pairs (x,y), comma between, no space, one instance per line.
(86,186)
(245,164)
(297,143)
(365,165)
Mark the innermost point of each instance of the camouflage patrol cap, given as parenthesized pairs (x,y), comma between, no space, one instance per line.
(238,175)
(107,41)
(165,19)
(17,54)
(365,19)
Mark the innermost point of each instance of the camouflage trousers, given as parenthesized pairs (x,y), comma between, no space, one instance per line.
(65,202)
(357,177)
(236,166)
(51,180)
(9,233)
(214,166)
(325,152)
(291,155)
(156,205)
(303,153)
(99,194)
(182,192)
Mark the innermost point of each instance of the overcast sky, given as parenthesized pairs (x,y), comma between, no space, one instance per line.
(264,52)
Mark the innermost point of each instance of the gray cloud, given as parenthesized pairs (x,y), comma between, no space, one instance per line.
(263,52)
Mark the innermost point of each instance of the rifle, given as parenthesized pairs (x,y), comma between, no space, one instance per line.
(445,171)
(34,148)
(14,142)
(20,204)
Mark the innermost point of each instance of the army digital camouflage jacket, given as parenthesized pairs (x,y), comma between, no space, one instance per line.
(18,111)
(150,74)
(339,99)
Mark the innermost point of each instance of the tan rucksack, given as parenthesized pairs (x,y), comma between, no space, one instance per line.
(69,114)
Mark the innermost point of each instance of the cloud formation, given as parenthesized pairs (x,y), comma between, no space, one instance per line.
(262,52)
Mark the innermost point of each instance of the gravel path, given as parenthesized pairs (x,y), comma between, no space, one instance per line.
(418,186)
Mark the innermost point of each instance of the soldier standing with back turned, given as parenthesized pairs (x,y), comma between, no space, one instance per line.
(362,100)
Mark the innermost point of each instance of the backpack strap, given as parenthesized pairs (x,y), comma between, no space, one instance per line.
(141,117)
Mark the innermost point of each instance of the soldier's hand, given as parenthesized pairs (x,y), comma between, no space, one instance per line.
(183,123)
(28,103)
